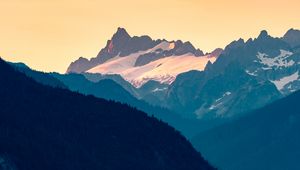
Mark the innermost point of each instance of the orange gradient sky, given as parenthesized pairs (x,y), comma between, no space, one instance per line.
(49,34)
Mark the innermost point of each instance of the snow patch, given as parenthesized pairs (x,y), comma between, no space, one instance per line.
(278,61)
(217,102)
(224,95)
(281,83)
(159,89)
(251,73)
(212,107)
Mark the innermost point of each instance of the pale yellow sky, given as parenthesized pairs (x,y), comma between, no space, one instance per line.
(49,34)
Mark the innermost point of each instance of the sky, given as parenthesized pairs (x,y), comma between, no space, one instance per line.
(48,35)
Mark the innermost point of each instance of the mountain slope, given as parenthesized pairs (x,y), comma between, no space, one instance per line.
(106,88)
(50,128)
(153,92)
(116,78)
(267,138)
(163,70)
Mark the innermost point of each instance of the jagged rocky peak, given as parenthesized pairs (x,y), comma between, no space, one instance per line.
(262,37)
(292,37)
(235,44)
(121,33)
(118,41)
(263,34)
(186,47)
(121,44)
(181,48)
(120,36)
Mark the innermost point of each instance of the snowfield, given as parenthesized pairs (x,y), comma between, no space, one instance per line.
(163,70)
(281,83)
(278,61)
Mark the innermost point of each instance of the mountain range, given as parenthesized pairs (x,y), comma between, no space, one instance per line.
(266,69)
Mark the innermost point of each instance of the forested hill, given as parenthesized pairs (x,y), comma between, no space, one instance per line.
(51,128)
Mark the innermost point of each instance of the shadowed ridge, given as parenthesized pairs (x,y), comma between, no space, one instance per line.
(268,136)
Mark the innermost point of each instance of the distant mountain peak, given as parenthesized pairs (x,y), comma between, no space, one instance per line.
(121,34)
(235,44)
(263,34)
(121,30)
(118,41)
(292,37)
(291,31)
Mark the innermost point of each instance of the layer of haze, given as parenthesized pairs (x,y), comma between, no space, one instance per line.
(49,34)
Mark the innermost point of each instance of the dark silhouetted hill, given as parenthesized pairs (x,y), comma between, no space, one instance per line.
(46,128)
